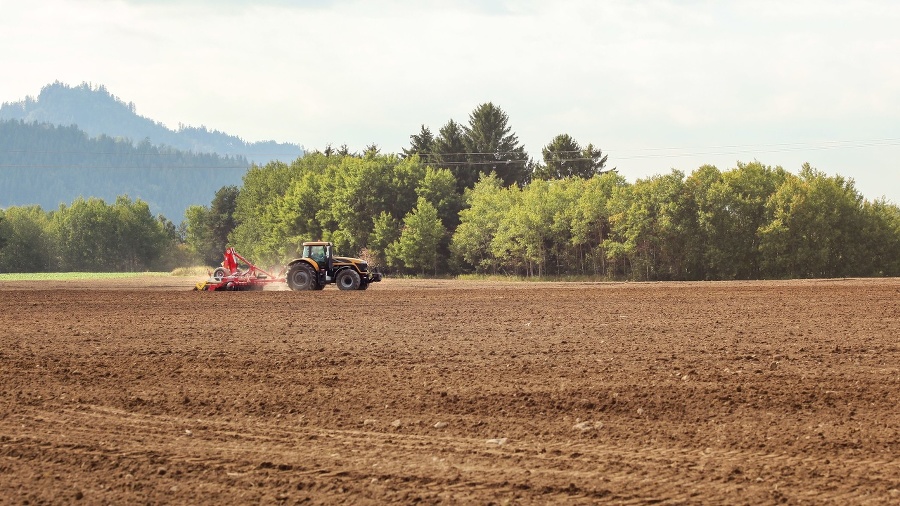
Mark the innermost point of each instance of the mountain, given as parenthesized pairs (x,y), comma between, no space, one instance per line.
(82,141)
(49,165)
(96,111)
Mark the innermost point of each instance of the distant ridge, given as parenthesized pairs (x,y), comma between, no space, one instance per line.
(98,112)
(82,141)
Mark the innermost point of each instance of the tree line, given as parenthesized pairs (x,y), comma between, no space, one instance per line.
(469,200)
(89,235)
(750,222)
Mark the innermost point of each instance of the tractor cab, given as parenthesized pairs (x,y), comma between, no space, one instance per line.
(320,253)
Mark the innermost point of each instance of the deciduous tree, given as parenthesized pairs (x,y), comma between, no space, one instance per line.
(420,239)
(25,244)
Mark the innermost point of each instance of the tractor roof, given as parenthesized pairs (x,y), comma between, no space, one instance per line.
(317,243)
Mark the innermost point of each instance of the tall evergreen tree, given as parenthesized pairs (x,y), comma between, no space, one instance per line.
(450,153)
(564,157)
(492,147)
(371,151)
(420,144)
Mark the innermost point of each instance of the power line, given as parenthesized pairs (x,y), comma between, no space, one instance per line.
(751,148)
(500,157)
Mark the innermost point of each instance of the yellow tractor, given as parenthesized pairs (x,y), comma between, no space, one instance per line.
(318,267)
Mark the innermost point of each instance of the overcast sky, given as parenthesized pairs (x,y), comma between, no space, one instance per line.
(656,85)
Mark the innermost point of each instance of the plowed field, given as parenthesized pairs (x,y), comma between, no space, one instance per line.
(451,392)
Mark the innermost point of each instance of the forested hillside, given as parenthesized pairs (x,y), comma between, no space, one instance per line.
(51,165)
(97,112)
(82,141)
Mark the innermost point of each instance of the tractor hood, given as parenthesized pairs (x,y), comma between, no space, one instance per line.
(349,260)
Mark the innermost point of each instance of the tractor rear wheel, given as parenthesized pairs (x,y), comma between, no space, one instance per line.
(348,279)
(301,277)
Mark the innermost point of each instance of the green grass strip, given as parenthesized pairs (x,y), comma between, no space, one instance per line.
(73,276)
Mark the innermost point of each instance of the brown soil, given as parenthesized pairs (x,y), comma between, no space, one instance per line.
(451,392)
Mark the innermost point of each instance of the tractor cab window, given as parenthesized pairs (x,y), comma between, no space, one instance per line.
(317,253)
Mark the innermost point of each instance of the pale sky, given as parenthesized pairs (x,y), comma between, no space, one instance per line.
(655,84)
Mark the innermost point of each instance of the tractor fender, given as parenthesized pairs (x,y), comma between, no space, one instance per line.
(337,272)
(309,261)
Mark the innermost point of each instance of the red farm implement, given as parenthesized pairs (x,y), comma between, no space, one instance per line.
(230,277)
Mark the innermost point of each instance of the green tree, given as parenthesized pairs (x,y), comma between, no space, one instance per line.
(293,219)
(336,198)
(198,234)
(176,252)
(421,144)
(492,147)
(139,237)
(488,202)
(420,239)
(208,228)
(385,232)
(438,187)
(590,223)
(262,186)
(371,151)
(880,248)
(449,152)
(358,190)
(221,213)
(564,157)
(25,248)
(731,210)
(652,226)
(535,228)
(815,227)
(84,234)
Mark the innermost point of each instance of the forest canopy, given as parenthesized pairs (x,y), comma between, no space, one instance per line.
(469,200)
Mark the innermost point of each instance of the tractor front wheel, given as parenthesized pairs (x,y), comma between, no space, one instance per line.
(301,277)
(348,279)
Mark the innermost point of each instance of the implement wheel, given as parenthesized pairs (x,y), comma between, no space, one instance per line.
(301,277)
(348,279)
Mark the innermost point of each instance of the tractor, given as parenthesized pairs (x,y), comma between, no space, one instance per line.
(318,267)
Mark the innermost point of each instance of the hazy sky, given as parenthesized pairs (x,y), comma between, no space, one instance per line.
(657,84)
